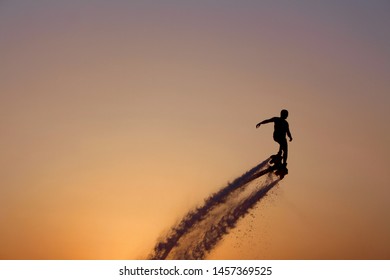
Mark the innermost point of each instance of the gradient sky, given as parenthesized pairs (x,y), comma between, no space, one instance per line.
(117,117)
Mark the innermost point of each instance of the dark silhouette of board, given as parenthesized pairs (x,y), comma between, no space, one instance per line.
(276,166)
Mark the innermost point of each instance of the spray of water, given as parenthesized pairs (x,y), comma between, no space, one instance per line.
(201,229)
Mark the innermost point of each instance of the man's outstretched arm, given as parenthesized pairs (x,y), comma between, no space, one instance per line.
(265,121)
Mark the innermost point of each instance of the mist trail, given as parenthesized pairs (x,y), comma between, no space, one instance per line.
(201,229)
(198,247)
(163,247)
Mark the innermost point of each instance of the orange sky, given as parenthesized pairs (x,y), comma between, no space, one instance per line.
(117,118)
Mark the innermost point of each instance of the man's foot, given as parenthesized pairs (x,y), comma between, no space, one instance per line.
(275,159)
(281,172)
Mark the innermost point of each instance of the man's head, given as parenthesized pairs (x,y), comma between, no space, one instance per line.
(284,114)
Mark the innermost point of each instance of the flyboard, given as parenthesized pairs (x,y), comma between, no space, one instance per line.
(276,166)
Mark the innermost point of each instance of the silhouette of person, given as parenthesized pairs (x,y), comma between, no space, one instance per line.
(281,128)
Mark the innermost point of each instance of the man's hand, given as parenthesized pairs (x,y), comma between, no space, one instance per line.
(258,125)
(290,139)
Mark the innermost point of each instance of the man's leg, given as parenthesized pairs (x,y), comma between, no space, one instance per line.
(284,148)
(280,150)
(280,142)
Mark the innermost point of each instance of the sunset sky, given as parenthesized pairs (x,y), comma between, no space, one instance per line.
(117,117)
